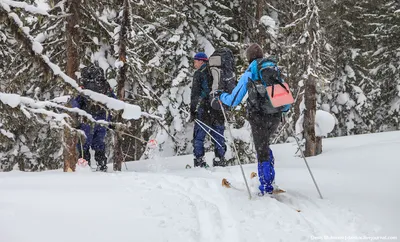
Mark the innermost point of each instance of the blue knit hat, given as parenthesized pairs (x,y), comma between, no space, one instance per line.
(201,56)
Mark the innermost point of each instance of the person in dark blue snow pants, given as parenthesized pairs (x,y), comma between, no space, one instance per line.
(204,117)
(92,78)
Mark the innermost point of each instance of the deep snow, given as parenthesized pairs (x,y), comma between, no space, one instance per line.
(160,200)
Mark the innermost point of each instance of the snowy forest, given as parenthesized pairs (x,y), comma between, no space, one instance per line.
(340,56)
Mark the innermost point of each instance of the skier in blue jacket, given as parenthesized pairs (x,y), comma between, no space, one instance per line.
(263,120)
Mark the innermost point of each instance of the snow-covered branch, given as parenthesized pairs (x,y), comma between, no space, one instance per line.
(150,38)
(29,8)
(14,100)
(129,111)
(294,23)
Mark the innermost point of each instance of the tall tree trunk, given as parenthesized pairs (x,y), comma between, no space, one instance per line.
(309,116)
(125,23)
(313,144)
(69,152)
(246,20)
(73,39)
(259,9)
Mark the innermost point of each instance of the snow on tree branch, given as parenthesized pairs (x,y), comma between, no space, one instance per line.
(294,23)
(129,111)
(14,100)
(150,38)
(29,8)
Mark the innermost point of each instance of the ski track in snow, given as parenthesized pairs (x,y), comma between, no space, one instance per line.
(201,209)
(281,220)
(214,221)
(159,200)
(226,214)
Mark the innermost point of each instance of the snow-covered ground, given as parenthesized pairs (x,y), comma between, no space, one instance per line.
(160,200)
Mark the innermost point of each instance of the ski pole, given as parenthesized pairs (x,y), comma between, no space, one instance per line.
(279,134)
(199,121)
(201,124)
(234,147)
(208,133)
(211,128)
(126,167)
(305,160)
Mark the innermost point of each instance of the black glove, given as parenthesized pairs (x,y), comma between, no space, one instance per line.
(192,117)
(216,93)
(77,121)
(215,102)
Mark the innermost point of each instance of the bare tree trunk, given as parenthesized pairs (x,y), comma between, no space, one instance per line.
(125,23)
(247,15)
(310,95)
(73,39)
(122,49)
(259,9)
(70,153)
(118,153)
(318,145)
(313,143)
(309,117)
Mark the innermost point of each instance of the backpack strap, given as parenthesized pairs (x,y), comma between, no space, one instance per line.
(265,63)
(205,82)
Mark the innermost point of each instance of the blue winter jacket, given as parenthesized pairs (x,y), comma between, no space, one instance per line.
(239,92)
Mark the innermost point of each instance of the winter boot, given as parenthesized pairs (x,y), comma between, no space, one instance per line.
(101,160)
(199,162)
(266,175)
(102,168)
(219,161)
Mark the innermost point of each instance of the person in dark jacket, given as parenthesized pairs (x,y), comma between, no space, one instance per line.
(201,110)
(263,125)
(92,77)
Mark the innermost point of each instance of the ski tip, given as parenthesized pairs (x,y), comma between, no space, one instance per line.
(252,175)
(225,183)
(188,166)
(278,191)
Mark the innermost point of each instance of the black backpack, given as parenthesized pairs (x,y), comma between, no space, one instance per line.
(264,73)
(222,68)
(92,78)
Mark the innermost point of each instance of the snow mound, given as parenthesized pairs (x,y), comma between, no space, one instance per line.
(171,203)
(324,123)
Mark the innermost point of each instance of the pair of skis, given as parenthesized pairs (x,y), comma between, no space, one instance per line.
(225,183)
